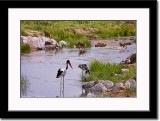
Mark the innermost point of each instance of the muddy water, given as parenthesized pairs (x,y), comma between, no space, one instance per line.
(41,69)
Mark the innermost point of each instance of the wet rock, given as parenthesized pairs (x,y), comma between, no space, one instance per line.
(130,60)
(98,87)
(130,83)
(100,45)
(124,70)
(36,42)
(128,43)
(133,58)
(88,86)
(126,61)
(116,87)
(107,84)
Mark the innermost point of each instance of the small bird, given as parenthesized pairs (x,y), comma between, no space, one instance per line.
(62,72)
(84,69)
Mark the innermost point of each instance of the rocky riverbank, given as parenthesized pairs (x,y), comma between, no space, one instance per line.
(108,89)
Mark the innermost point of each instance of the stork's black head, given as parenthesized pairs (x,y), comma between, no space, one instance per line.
(68,62)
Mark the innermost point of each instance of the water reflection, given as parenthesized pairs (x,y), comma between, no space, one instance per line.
(81,52)
(62,88)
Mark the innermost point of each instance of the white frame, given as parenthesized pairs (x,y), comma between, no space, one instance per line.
(141,103)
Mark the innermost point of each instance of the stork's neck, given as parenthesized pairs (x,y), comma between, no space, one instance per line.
(66,66)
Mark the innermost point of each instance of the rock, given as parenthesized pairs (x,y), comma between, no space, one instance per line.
(133,58)
(126,61)
(116,87)
(130,83)
(134,78)
(88,85)
(124,70)
(37,42)
(63,43)
(98,87)
(107,84)
(116,75)
(129,60)
(100,45)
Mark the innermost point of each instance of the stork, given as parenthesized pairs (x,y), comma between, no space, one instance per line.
(62,72)
(84,69)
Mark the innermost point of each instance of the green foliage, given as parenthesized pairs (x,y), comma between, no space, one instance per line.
(25,48)
(23,33)
(74,43)
(107,71)
(132,90)
(66,30)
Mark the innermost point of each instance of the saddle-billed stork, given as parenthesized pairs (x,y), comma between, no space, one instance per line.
(62,72)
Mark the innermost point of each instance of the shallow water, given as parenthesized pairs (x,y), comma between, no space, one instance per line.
(41,68)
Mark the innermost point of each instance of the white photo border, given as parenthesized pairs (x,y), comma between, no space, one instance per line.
(141,103)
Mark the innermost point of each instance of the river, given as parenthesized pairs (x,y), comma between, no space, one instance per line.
(41,68)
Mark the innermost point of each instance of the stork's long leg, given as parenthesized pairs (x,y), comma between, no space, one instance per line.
(63,86)
(60,87)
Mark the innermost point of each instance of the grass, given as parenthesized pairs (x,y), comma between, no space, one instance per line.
(24,84)
(75,31)
(23,32)
(25,48)
(107,71)
(132,90)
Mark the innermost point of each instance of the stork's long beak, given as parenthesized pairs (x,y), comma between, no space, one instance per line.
(70,65)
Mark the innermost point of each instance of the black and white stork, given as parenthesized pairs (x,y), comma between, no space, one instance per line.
(84,69)
(62,72)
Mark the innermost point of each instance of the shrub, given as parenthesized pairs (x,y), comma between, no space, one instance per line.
(25,48)
(107,71)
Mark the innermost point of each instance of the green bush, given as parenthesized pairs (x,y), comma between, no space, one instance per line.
(107,71)
(25,48)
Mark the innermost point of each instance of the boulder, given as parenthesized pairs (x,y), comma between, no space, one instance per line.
(130,83)
(88,85)
(107,84)
(126,61)
(124,70)
(37,42)
(116,87)
(133,58)
(98,87)
(129,60)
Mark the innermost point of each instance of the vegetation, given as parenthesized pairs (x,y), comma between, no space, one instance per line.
(25,48)
(24,84)
(107,71)
(76,31)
